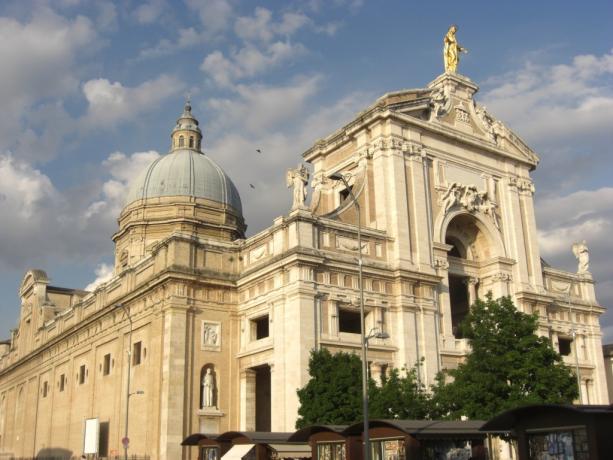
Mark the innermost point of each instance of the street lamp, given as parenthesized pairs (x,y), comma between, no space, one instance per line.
(125,441)
(339,177)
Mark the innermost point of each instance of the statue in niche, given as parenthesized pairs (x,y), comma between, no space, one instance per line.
(452,50)
(210,335)
(298,179)
(582,254)
(208,389)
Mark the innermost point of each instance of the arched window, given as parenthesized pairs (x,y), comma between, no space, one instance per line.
(347,281)
(191,142)
(181,141)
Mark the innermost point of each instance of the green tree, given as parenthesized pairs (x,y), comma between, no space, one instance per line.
(333,395)
(400,396)
(509,366)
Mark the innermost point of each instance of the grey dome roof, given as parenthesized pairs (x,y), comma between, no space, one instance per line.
(185,172)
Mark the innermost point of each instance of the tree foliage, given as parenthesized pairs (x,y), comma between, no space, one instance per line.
(334,393)
(509,366)
(400,396)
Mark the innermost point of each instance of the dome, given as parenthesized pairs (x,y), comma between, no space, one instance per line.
(185,172)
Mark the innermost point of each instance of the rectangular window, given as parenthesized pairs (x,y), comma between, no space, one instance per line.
(62,382)
(331,451)
(260,328)
(564,346)
(349,321)
(45,389)
(106,365)
(82,371)
(137,353)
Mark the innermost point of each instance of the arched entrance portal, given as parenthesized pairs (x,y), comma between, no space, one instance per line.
(470,247)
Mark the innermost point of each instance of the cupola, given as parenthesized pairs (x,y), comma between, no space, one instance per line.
(186,134)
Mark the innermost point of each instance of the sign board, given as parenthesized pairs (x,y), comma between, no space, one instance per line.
(91,435)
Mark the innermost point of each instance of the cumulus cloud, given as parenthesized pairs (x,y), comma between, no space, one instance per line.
(215,15)
(61,225)
(38,70)
(248,61)
(186,38)
(262,27)
(260,117)
(148,12)
(561,100)
(104,272)
(111,102)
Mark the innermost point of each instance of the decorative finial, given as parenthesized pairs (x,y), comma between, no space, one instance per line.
(188,104)
(452,50)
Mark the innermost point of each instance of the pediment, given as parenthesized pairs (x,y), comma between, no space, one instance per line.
(452,105)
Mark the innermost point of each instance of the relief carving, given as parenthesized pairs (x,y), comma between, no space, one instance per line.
(440,102)
(211,335)
(469,198)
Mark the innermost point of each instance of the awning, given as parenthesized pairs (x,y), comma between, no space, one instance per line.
(291,450)
(238,451)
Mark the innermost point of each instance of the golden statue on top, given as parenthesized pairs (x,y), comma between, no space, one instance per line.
(452,50)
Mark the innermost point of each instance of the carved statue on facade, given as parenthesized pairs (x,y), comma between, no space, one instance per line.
(441,102)
(210,336)
(451,197)
(582,254)
(208,387)
(298,179)
(452,50)
(470,198)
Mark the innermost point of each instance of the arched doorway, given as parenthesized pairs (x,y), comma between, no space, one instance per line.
(470,247)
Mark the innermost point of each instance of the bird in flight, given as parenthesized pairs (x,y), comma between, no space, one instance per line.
(252,186)
(258,150)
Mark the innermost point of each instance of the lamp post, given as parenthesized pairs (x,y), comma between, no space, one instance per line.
(125,441)
(338,176)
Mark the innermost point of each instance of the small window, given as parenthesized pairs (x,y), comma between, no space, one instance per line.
(349,321)
(106,365)
(260,328)
(564,346)
(137,353)
(181,141)
(191,142)
(45,389)
(82,373)
(62,382)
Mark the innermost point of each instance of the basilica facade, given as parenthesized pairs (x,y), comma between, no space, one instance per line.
(214,329)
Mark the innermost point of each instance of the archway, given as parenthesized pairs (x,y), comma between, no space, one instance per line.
(471,244)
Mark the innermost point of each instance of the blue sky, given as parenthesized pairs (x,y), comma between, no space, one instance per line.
(91,89)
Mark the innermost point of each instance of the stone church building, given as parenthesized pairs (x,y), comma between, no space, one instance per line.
(215,328)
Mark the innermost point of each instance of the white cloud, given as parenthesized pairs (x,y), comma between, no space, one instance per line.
(111,102)
(562,101)
(186,38)
(149,12)
(263,28)
(62,226)
(104,272)
(260,107)
(38,70)
(280,121)
(248,61)
(215,15)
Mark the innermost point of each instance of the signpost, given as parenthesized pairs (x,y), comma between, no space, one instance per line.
(91,436)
